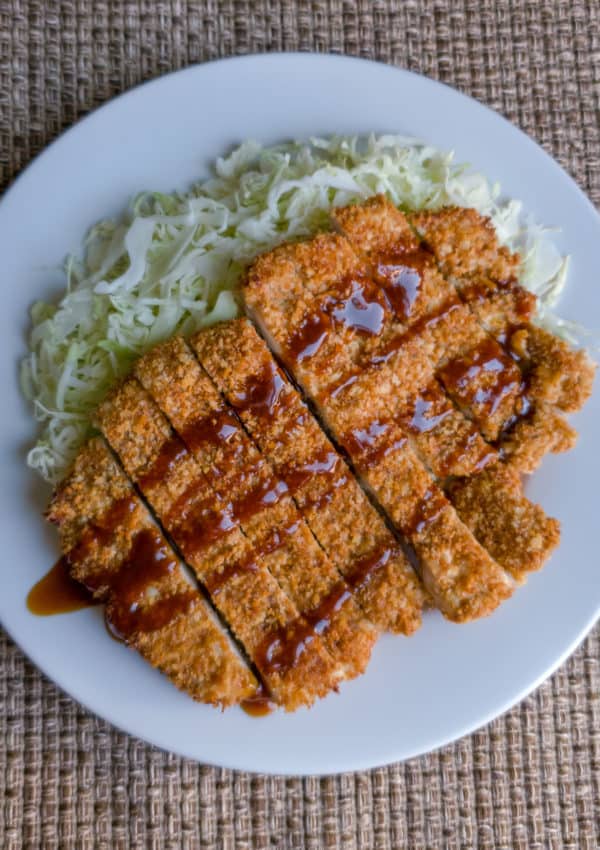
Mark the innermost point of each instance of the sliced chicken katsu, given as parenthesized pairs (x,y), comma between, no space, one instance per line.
(259,500)
(339,514)
(482,380)
(477,375)
(113,546)
(292,660)
(313,300)
(484,273)
(515,532)
(365,354)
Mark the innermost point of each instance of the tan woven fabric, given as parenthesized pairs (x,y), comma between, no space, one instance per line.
(529,780)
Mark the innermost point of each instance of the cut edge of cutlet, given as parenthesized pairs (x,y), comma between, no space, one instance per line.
(260,292)
(192,649)
(187,396)
(259,615)
(213,347)
(362,223)
(508,497)
(520,540)
(467,248)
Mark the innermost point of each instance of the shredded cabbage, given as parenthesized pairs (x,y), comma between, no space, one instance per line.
(172,264)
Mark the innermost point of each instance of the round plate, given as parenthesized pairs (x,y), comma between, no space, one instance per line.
(418,693)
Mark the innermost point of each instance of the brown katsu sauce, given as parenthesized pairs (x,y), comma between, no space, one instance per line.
(262,394)
(202,526)
(423,417)
(339,386)
(215,582)
(398,341)
(251,562)
(260,704)
(282,649)
(400,275)
(196,498)
(487,362)
(365,447)
(101,531)
(429,508)
(523,303)
(364,570)
(58,593)
(356,305)
(318,502)
(363,310)
(170,454)
(462,450)
(324,463)
(266,494)
(125,621)
(128,587)
(215,429)
(309,337)
(320,617)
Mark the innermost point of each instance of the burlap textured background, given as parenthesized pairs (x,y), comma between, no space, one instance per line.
(529,780)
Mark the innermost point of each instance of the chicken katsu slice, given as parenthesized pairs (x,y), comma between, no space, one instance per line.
(516,532)
(408,382)
(292,661)
(485,273)
(479,376)
(328,496)
(463,579)
(348,328)
(113,546)
(471,364)
(262,503)
(543,431)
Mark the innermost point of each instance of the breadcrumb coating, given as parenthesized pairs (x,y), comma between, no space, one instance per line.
(521,539)
(190,646)
(364,406)
(269,517)
(236,575)
(339,514)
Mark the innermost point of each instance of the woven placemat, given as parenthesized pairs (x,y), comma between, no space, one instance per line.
(529,780)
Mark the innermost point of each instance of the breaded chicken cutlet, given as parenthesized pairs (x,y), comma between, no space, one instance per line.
(114,548)
(312,527)
(260,501)
(411,384)
(328,496)
(236,570)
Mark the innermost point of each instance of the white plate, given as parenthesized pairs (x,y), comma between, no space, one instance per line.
(418,693)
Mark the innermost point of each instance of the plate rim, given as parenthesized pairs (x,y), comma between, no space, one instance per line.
(29,172)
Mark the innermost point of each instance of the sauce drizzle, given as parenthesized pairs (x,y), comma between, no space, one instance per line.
(171,452)
(364,570)
(58,593)
(217,428)
(310,335)
(401,276)
(420,422)
(282,649)
(133,605)
(488,363)
(362,443)
(426,511)
(361,311)
(260,704)
(324,463)
(262,394)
